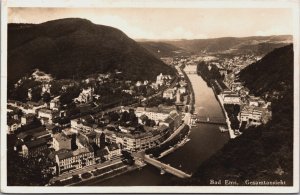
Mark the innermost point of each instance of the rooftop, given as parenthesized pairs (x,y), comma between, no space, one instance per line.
(36,143)
(61,137)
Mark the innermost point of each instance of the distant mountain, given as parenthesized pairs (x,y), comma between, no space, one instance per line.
(257,44)
(74,47)
(272,74)
(161,49)
(263,153)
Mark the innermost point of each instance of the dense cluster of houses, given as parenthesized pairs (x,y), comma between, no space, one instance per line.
(253,110)
(89,139)
(87,142)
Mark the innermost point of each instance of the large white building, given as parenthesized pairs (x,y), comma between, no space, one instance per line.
(154,113)
(85,96)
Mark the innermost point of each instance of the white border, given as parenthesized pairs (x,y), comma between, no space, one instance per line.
(150,4)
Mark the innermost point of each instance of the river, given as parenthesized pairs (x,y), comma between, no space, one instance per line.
(205,140)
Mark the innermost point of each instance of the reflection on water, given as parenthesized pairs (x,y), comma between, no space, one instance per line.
(205,140)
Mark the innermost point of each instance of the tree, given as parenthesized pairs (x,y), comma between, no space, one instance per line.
(36,94)
(20,94)
(68,96)
(55,88)
(114,116)
(46,97)
(125,116)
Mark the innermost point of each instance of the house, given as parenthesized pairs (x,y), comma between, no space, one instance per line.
(162,79)
(46,88)
(55,104)
(182,90)
(142,119)
(41,76)
(95,137)
(169,94)
(114,150)
(62,141)
(252,114)
(34,148)
(47,115)
(169,122)
(85,96)
(27,119)
(12,125)
(29,134)
(253,101)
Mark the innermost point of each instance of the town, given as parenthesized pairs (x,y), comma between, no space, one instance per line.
(221,72)
(82,130)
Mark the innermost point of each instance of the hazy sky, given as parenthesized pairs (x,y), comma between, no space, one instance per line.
(171,23)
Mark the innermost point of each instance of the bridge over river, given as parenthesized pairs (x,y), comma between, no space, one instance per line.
(165,167)
(210,120)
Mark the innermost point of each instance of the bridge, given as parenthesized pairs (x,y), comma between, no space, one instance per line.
(211,120)
(165,167)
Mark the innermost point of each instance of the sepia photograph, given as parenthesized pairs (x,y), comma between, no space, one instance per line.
(151,97)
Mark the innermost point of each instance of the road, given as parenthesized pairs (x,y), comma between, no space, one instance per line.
(85,169)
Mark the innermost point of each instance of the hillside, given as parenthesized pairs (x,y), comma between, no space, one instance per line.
(259,45)
(275,73)
(74,47)
(161,49)
(263,153)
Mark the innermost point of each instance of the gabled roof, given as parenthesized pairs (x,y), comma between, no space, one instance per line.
(35,143)
(24,134)
(63,154)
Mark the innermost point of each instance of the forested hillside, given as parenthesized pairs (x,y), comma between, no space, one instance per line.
(74,48)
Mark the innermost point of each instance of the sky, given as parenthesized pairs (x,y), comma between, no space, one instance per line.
(171,23)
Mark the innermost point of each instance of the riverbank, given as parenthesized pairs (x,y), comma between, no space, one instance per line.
(108,175)
(191,92)
(172,149)
(230,130)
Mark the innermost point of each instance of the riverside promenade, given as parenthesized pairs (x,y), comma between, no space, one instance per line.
(230,130)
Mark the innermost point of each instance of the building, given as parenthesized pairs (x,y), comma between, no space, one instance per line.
(12,125)
(114,150)
(33,148)
(55,104)
(85,96)
(169,94)
(95,137)
(232,99)
(62,141)
(154,113)
(46,88)
(137,142)
(28,107)
(182,90)
(32,134)
(252,115)
(41,76)
(47,115)
(68,160)
(85,124)
(162,79)
(27,119)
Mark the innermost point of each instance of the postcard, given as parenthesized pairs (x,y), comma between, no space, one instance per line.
(149,96)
